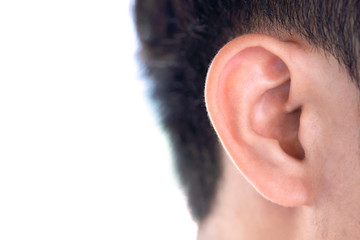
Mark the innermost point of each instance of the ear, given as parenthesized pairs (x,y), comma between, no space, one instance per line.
(247,98)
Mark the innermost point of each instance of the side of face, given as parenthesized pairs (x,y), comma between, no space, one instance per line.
(288,116)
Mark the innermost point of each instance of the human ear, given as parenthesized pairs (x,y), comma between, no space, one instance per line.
(248,98)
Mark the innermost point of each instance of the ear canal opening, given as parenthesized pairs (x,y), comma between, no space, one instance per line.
(271,120)
(289,139)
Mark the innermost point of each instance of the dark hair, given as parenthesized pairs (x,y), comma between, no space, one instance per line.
(179,38)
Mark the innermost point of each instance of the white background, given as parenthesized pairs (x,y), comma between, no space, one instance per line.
(80,155)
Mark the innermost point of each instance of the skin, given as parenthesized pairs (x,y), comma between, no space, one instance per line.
(306,186)
(240,212)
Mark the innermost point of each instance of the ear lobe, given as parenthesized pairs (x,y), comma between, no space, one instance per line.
(247,98)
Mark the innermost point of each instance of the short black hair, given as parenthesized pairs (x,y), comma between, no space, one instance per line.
(179,38)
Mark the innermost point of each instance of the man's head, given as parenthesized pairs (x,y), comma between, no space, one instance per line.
(281,93)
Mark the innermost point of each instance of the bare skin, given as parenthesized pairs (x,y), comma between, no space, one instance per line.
(280,181)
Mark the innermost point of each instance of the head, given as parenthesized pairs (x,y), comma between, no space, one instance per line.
(261,101)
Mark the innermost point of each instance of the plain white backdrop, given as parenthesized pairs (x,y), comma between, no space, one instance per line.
(81,156)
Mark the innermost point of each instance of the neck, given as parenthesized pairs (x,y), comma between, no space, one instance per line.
(240,212)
